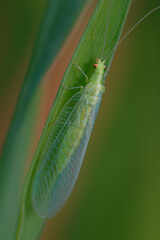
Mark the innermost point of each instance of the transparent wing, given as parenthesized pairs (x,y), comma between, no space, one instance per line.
(58,172)
(61,123)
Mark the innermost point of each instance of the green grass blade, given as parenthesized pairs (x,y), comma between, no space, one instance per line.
(54,29)
(89,48)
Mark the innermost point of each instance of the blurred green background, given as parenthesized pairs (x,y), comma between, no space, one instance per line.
(117,195)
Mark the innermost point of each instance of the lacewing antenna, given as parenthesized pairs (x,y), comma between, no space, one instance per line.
(141,20)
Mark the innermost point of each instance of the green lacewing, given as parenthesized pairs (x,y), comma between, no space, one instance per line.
(58,172)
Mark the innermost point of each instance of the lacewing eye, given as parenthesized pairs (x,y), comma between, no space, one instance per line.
(95,65)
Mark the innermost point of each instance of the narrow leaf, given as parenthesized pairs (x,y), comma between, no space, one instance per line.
(89,48)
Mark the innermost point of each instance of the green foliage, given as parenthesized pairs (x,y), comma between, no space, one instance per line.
(117,194)
(89,48)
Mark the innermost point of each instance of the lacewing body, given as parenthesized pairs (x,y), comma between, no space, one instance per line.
(57,174)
